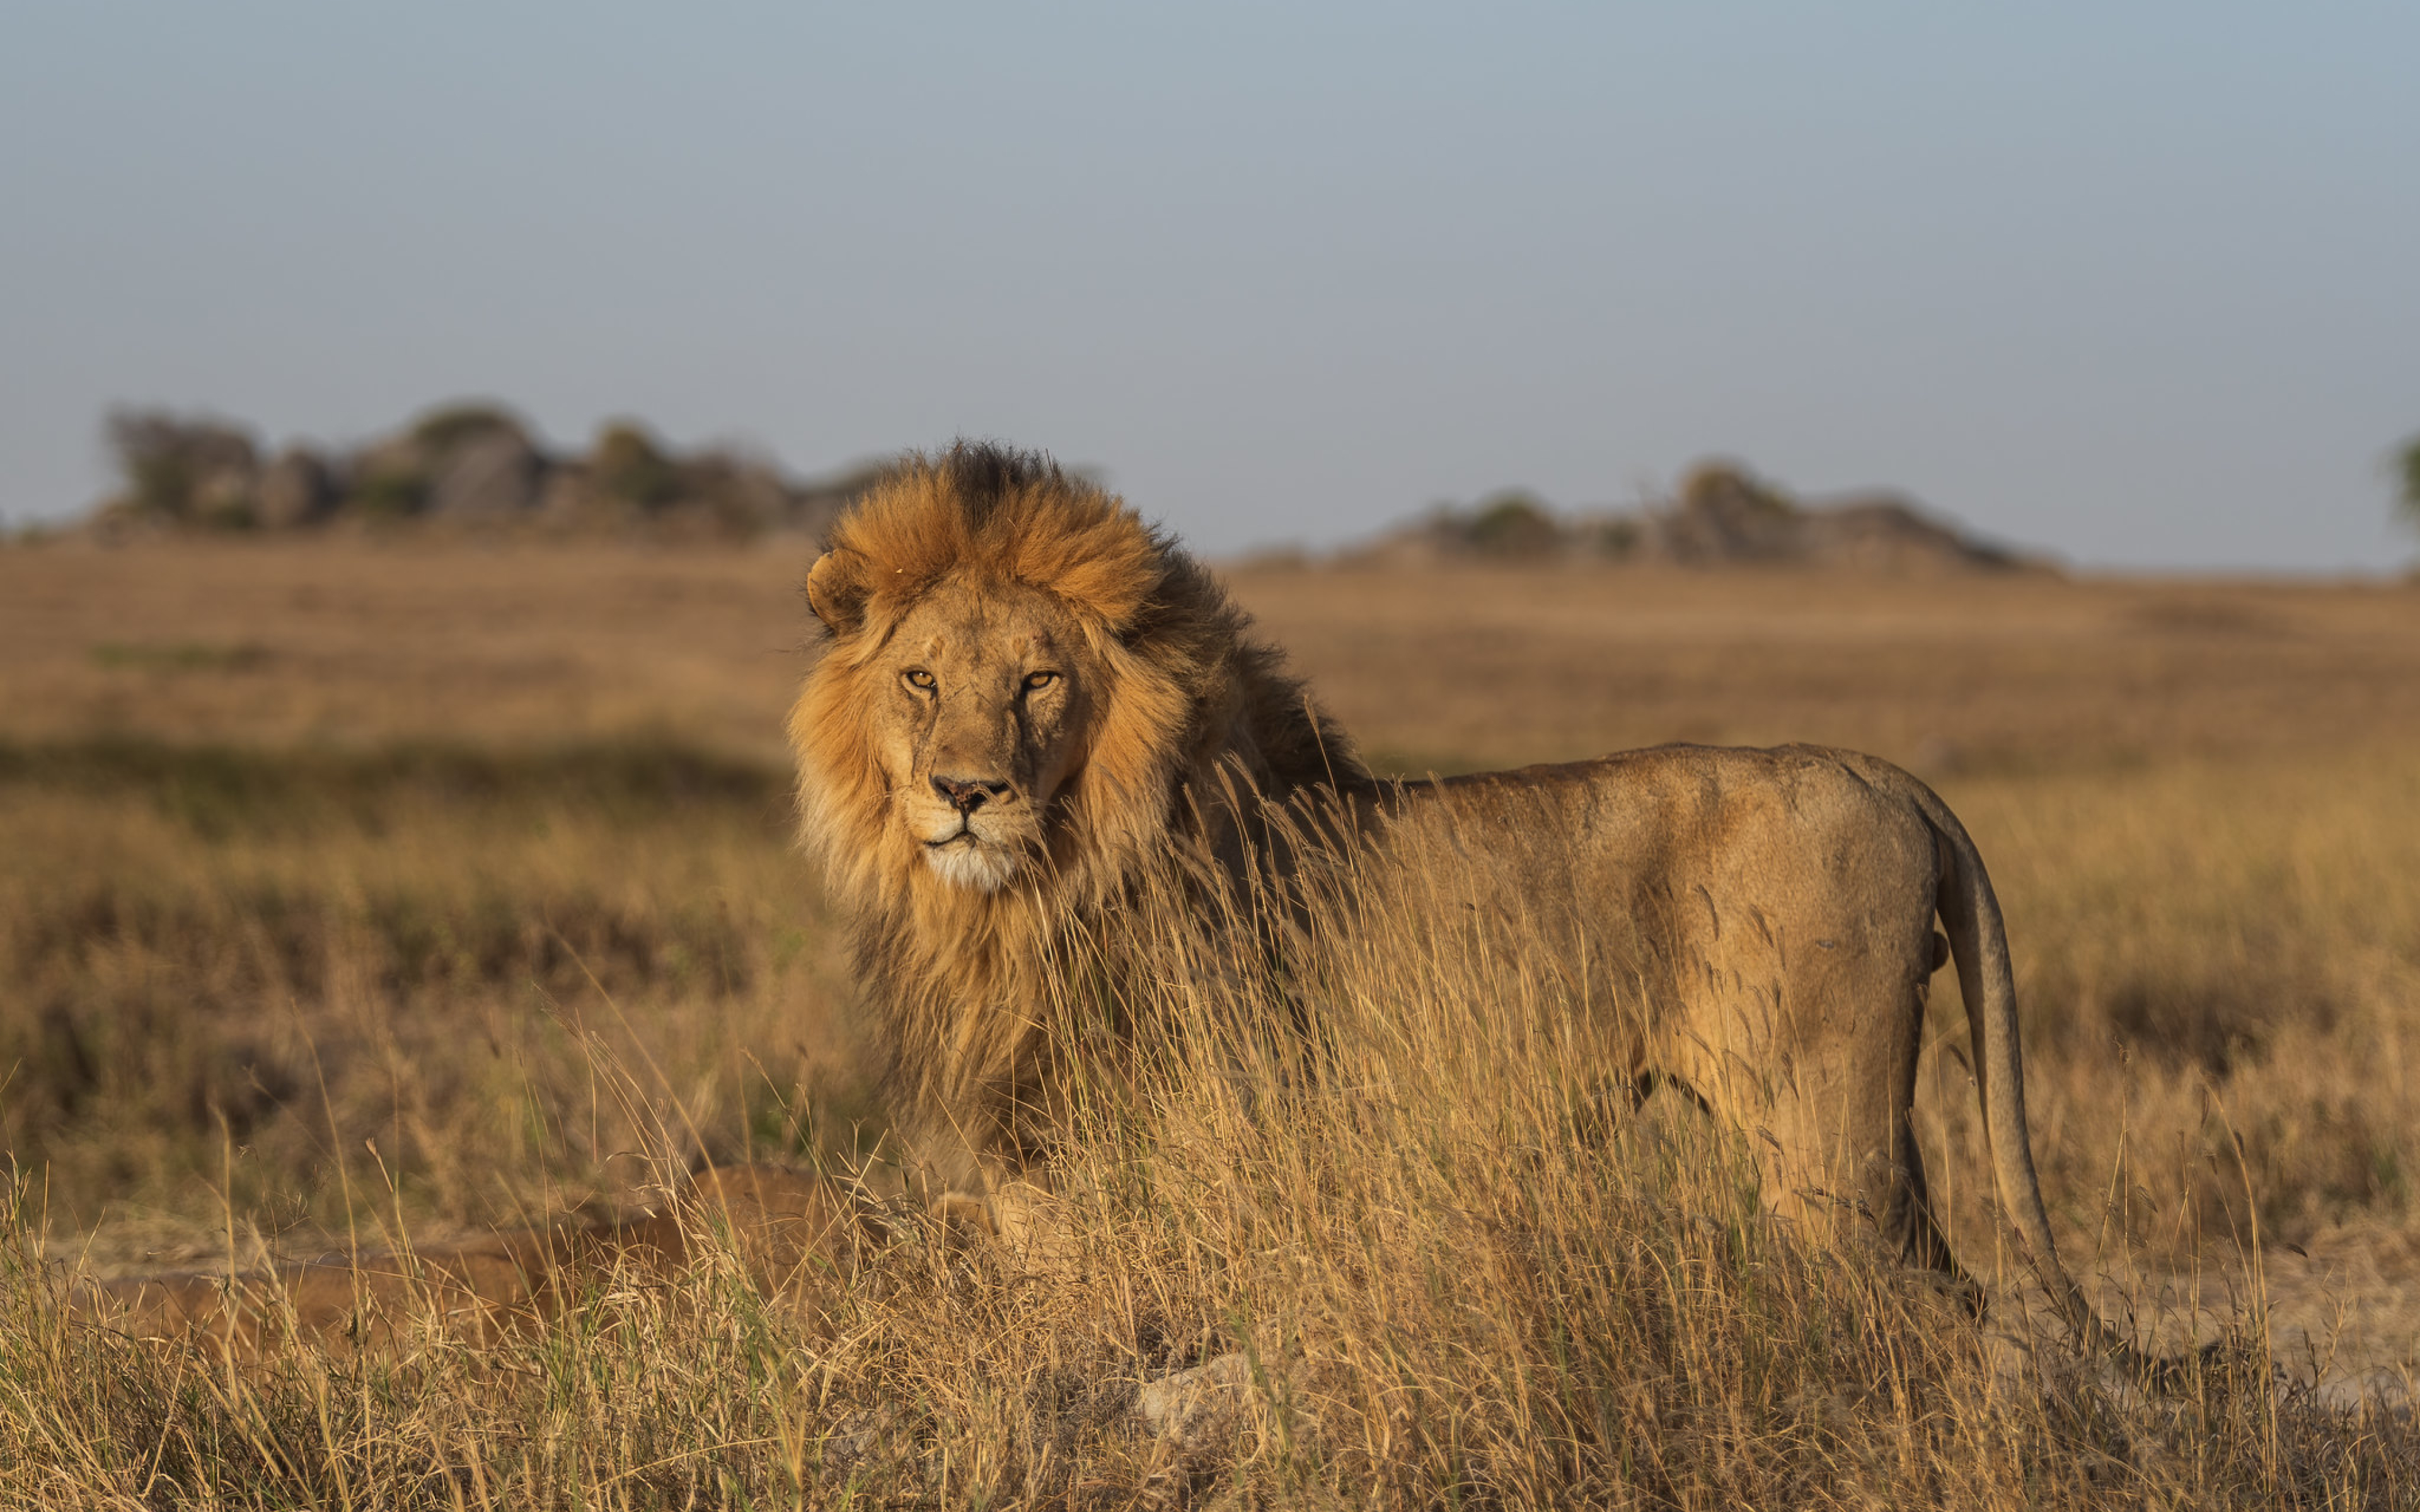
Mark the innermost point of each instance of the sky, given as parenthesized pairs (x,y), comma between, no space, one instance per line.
(2135,283)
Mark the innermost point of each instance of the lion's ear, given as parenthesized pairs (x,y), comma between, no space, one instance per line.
(836,591)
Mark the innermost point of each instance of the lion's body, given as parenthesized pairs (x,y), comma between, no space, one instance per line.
(1754,926)
(1028,700)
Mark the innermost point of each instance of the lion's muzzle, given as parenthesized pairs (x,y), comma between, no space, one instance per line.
(970,830)
(966,859)
(967,794)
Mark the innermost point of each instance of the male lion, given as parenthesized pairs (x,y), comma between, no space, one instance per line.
(1028,698)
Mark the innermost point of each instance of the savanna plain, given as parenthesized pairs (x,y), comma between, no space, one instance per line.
(371,896)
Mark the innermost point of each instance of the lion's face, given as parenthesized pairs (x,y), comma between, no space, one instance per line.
(978,717)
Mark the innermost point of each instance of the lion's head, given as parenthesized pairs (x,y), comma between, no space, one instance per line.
(977,716)
(1020,677)
(1026,697)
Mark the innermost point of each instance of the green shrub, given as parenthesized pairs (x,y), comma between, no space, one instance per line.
(2408,465)
(444,427)
(1513,524)
(391,493)
(630,465)
(179,467)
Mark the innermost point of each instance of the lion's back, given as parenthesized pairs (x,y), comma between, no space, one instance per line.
(1670,867)
(1727,810)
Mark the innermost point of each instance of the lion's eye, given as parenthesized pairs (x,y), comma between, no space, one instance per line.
(918,678)
(1034,680)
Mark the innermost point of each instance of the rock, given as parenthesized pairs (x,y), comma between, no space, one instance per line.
(855,1436)
(1726,517)
(295,489)
(570,501)
(739,496)
(223,501)
(388,480)
(1884,532)
(1192,1408)
(493,474)
(1723,516)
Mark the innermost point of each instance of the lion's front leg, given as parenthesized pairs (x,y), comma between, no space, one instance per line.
(1023,1218)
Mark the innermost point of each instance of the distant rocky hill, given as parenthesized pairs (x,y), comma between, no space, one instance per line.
(464,466)
(1721,516)
(477,467)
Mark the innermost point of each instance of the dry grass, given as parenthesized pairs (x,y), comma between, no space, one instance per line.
(368,887)
(303,955)
(279,643)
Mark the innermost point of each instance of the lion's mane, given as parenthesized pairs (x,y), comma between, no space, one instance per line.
(1188,703)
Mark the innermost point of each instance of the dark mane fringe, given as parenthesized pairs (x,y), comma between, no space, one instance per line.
(981,473)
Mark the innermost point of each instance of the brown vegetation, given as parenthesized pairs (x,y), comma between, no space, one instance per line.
(379,892)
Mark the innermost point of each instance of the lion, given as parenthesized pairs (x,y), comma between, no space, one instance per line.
(1028,698)
(1029,702)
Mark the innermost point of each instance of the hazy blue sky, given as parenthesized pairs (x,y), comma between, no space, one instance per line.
(2139,283)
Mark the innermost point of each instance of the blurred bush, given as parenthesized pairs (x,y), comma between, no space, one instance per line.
(195,472)
(472,465)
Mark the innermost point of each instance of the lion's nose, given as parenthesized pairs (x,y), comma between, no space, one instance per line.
(967,794)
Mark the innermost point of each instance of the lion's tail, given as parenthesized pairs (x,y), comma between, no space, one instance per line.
(1978,942)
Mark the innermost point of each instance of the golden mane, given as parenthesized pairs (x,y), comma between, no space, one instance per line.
(1187,701)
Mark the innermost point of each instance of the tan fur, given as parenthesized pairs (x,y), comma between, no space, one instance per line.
(1756,926)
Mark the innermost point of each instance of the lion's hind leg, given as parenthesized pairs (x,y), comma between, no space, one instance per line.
(1647,1083)
(1912,1226)
(1849,1165)
(1831,1143)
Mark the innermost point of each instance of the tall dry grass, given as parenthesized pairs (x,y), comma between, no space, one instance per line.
(353,891)
(208,952)
(1419,1266)
(2214,950)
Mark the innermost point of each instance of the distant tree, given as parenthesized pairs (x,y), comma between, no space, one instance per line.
(1721,488)
(2408,465)
(390,488)
(441,428)
(183,470)
(629,464)
(1513,524)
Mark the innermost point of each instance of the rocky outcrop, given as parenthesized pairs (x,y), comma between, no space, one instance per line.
(1722,516)
(489,474)
(297,489)
(1726,516)
(474,467)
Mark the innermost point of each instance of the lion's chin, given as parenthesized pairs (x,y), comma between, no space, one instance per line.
(970,863)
